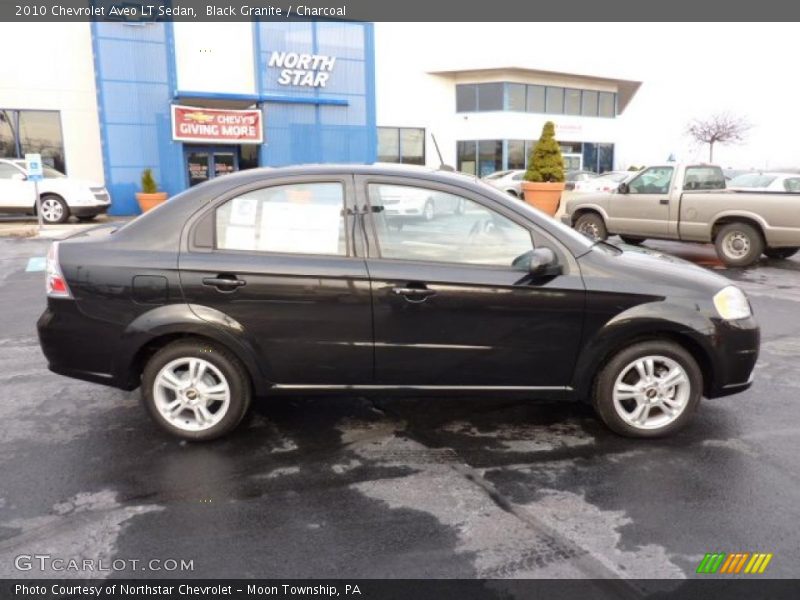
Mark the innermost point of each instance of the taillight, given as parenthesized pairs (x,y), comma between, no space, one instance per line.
(56,284)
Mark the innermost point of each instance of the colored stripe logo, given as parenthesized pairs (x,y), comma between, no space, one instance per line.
(735,563)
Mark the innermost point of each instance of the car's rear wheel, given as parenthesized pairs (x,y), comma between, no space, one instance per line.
(649,389)
(633,241)
(739,244)
(54,209)
(592,226)
(196,390)
(780,253)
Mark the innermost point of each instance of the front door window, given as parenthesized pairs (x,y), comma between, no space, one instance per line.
(654,180)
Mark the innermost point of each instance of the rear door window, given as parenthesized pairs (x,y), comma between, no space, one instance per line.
(302,218)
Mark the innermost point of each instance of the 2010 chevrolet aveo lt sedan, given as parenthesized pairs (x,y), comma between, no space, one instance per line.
(273,281)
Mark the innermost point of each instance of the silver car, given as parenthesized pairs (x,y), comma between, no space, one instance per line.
(507,181)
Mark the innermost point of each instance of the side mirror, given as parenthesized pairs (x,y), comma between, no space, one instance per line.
(541,262)
(19,177)
(623,188)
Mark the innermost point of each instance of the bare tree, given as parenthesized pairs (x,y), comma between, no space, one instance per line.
(721,128)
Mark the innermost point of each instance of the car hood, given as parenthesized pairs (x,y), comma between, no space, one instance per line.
(654,272)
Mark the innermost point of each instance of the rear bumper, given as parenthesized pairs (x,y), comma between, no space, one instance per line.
(736,348)
(75,345)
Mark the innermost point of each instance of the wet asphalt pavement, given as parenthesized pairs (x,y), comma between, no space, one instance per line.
(421,488)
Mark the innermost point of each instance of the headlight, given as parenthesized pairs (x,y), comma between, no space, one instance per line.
(731,303)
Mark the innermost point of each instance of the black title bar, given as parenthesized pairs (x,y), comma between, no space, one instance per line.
(137,11)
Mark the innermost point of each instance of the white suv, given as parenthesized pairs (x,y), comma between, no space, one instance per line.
(61,196)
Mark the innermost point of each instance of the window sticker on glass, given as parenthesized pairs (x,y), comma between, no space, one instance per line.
(240,238)
(243,211)
(298,227)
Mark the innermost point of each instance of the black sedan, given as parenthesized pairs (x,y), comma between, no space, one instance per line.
(294,280)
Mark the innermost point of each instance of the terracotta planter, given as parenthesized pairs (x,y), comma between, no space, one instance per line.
(150,201)
(544,196)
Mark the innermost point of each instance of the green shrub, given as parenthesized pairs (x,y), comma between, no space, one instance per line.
(149,185)
(545,162)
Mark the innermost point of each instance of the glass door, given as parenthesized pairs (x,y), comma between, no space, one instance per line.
(206,162)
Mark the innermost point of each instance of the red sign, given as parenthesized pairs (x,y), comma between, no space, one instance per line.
(191,124)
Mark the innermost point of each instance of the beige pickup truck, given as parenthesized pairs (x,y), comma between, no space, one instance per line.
(689,202)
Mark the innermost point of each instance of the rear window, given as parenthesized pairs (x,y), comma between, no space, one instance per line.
(704,178)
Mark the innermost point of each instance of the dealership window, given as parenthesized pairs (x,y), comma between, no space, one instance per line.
(401,145)
(515,97)
(572,102)
(607,106)
(518,97)
(32,131)
(535,102)
(458,231)
(489,156)
(304,218)
(554,100)
(589,103)
(515,151)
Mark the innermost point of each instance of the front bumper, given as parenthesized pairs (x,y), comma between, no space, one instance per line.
(736,346)
(90,210)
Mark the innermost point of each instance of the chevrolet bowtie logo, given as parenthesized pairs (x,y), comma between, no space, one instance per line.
(734,564)
(198,117)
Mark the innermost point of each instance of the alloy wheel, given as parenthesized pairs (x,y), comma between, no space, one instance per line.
(191,394)
(52,210)
(651,392)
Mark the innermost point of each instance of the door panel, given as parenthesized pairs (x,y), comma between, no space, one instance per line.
(309,316)
(481,327)
(449,307)
(644,210)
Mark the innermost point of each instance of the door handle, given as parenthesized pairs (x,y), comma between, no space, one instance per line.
(413,294)
(221,281)
(664,201)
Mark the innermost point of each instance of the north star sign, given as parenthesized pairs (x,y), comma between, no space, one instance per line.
(306,70)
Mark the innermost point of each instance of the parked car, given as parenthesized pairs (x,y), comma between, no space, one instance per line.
(288,280)
(604,183)
(408,205)
(573,177)
(61,196)
(507,181)
(689,202)
(766,182)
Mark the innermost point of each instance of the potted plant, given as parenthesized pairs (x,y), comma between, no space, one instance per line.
(544,179)
(149,197)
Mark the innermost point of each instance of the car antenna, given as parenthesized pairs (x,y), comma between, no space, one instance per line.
(442,166)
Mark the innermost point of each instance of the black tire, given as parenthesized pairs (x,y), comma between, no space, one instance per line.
(603,391)
(592,226)
(225,362)
(87,219)
(54,209)
(780,253)
(633,241)
(739,244)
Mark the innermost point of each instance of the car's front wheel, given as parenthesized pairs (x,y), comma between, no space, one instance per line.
(196,390)
(54,209)
(649,389)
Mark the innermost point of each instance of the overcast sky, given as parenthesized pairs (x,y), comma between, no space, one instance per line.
(687,70)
